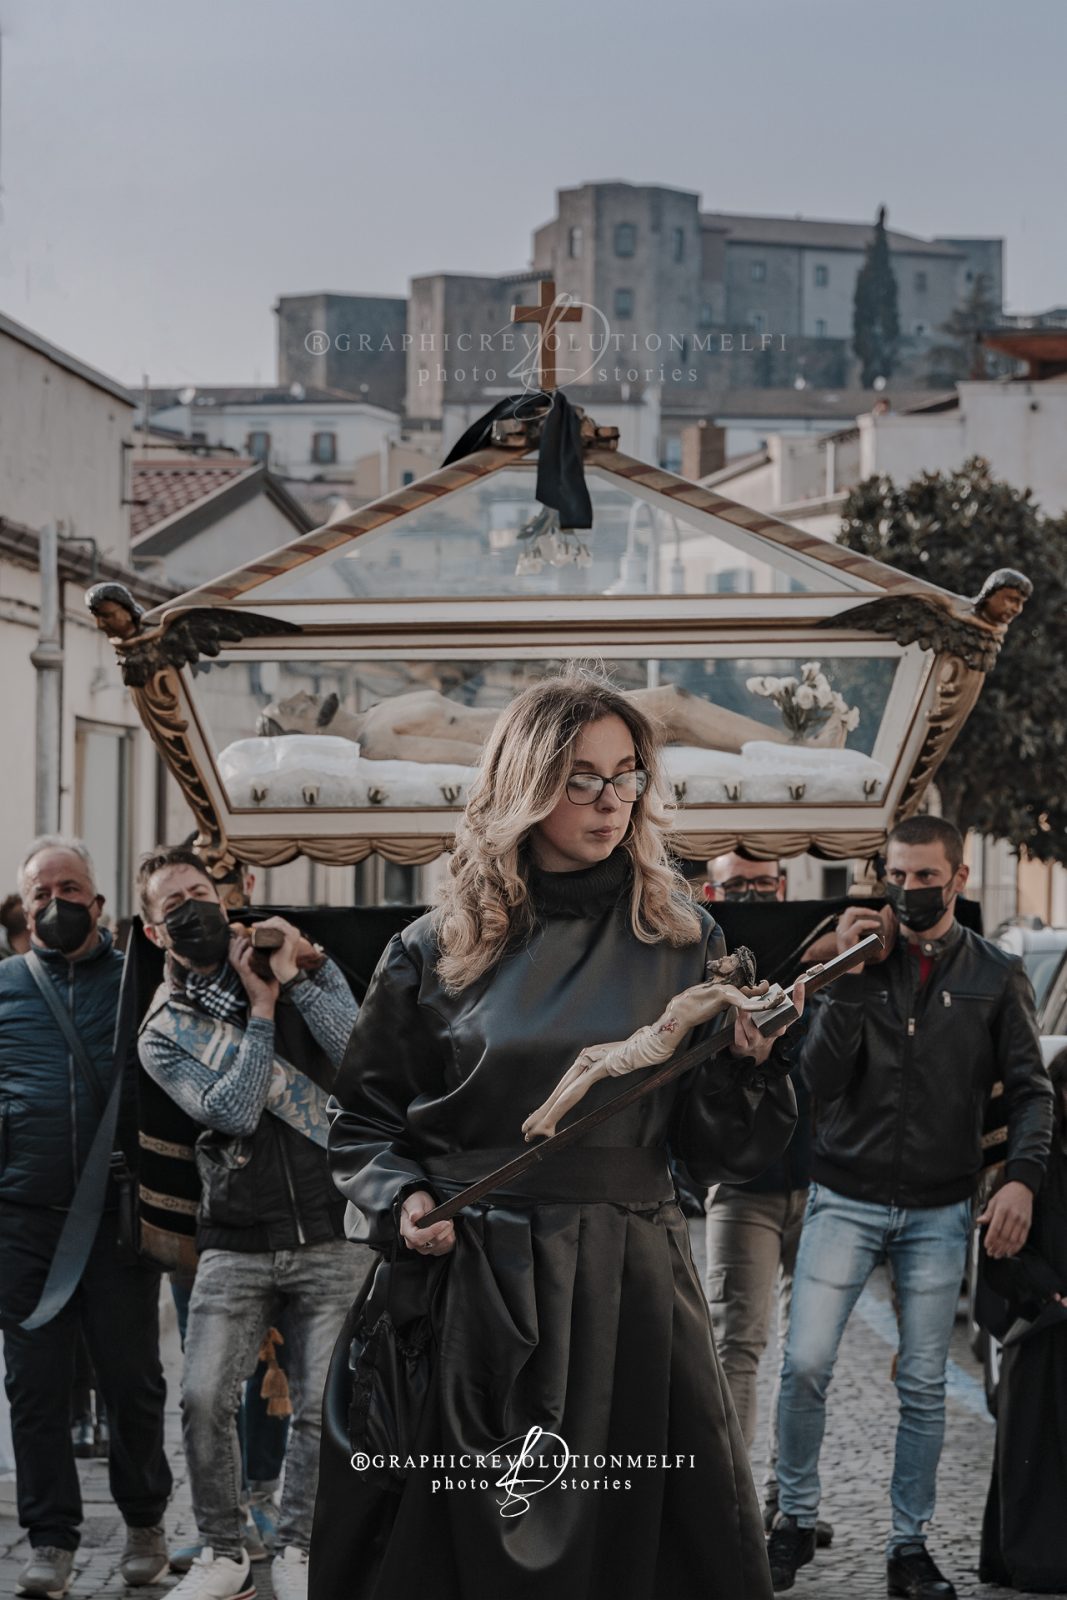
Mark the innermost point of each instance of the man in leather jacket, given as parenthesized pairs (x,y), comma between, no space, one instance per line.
(901,1058)
(255,1071)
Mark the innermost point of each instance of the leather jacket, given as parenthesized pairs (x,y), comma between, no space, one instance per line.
(902,1073)
(430,1073)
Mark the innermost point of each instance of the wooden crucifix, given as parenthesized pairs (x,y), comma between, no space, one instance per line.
(550,310)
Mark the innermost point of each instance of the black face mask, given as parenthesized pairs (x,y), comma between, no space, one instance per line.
(917,909)
(63,925)
(199,932)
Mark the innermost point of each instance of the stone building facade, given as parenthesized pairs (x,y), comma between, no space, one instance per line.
(350,343)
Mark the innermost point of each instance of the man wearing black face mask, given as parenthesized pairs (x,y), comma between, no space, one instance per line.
(251,1057)
(49,1114)
(753,1229)
(901,1057)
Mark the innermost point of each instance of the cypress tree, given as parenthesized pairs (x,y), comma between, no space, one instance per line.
(875,313)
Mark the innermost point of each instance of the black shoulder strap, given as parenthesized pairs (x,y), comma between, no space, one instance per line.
(66,1026)
(86,1208)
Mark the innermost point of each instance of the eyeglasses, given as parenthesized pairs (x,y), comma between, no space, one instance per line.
(762,885)
(585,788)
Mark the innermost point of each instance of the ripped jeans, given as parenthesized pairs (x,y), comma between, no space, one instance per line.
(235,1297)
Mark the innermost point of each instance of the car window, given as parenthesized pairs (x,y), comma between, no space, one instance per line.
(1041,967)
(1052,1018)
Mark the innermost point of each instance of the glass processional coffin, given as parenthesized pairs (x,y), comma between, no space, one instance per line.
(331,698)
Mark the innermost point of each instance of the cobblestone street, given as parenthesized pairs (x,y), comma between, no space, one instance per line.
(856,1466)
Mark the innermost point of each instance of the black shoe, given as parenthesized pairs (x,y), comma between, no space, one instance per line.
(824,1535)
(914,1575)
(82,1432)
(789,1548)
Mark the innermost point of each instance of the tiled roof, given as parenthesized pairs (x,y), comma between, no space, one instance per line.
(803,403)
(245,394)
(813,234)
(163,489)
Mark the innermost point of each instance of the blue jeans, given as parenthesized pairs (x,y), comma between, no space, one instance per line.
(841,1244)
(234,1300)
(263,1438)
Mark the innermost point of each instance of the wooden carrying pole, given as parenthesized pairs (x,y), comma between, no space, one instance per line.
(781,1015)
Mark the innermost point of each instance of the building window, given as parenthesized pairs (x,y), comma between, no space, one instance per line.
(625,239)
(574,243)
(820,327)
(624,302)
(324,448)
(258,445)
(679,244)
(672,454)
(707,316)
(757,321)
(920,283)
(103,806)
(386,883)
(822,277)
(406,478)
(757,271)
(733,580)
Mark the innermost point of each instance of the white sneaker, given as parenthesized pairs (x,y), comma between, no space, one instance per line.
(212,1577)
(289,1574)
(47,1573)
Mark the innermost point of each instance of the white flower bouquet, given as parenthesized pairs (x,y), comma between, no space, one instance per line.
(808,703)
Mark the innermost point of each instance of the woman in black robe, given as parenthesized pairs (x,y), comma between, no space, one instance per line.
(1024,1533)
(569,1302)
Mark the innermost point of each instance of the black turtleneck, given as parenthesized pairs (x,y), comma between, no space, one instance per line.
(584,893)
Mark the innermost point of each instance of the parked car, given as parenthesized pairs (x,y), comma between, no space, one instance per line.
(1052,1012)
(1042,950)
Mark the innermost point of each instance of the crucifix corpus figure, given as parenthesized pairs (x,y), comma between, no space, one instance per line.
(550,310)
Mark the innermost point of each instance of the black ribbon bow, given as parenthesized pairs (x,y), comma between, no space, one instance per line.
(560,469)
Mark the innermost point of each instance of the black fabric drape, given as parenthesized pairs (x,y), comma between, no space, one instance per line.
(1024,1535)
(560,472)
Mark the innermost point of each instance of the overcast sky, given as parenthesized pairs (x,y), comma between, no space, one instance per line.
(168,169)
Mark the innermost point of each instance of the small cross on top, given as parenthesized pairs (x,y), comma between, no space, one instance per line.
(550,310)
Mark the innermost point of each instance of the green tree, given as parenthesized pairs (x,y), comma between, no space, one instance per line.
(1006,774)
(875,311)
(962,354)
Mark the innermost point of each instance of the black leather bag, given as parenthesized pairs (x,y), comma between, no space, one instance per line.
(383,1366)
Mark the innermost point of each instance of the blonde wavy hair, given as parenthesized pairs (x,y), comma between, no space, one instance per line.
(484,906)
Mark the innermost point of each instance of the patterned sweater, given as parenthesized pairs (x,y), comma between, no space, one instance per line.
(232,1101)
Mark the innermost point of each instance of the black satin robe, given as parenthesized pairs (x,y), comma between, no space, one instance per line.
(574,1307)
